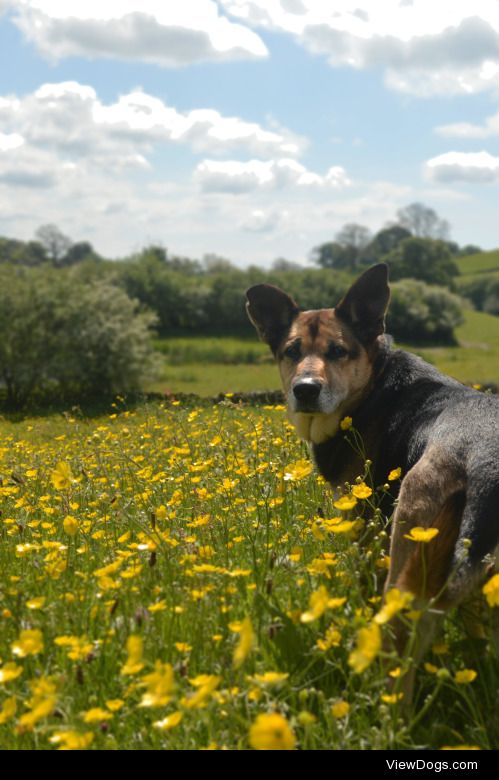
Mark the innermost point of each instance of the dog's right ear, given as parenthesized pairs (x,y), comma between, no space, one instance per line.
(271,311)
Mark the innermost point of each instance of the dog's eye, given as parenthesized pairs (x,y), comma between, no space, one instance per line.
(335,352)
(293,351)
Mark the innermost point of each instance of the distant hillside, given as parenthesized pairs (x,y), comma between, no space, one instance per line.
(482,262)
(476,359)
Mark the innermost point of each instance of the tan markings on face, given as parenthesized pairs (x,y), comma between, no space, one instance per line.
(343,379)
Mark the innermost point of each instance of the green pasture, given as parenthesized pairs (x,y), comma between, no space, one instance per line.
(483,262)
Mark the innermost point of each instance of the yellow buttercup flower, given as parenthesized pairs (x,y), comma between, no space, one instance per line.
(62,476)
(419,534)
(346,423)
(114,704)
(70,525)
(183,647)
(392,698)
(491,591)
(246,641)
(297,471)
(41,704)
(367,648)
(332,638)
(159,686)
(30,642)
(340,709)
(96,715)
(169,722)
(271,731)
(135,648)
(79,646)
(394,474)
(465,676)
(270,678)
(72,740)
(345,503)
(10,672)
(317,605)
(344,527)
(395,601)
(8,710)
(206,684)
(362,491)
(36,603)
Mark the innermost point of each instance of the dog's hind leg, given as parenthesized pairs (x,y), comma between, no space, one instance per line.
(431,496)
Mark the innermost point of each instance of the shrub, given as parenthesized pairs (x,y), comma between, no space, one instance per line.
(81,339)
(421,313)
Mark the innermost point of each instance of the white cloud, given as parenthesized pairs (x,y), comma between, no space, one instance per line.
(466,167)
(238,177)
(70,120)
(10,141)
(468,130)
(205,129)
(164,32)
(21,166)
(70,158)
(452,47)
(264,220)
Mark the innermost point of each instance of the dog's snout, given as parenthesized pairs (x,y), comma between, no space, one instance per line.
(307,390)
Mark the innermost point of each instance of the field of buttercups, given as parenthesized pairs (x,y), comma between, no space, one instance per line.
(181,578)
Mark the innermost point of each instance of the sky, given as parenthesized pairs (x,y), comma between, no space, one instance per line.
(250,129)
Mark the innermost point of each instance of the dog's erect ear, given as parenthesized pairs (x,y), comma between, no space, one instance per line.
(271,311)
(364,306)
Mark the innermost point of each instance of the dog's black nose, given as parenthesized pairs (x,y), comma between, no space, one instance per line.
(306,391)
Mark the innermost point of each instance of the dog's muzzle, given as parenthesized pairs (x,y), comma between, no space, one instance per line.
(306,394)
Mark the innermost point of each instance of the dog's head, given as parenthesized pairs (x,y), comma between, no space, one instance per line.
(325,356)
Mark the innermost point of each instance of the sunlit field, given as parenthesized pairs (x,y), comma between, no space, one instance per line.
(180,578)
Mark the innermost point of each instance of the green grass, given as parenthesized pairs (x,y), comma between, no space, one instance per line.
(177,554)
(210,349)
(482,262)
(476,359)
(210,379)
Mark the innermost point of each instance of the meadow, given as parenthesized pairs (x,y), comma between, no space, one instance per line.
(179,577)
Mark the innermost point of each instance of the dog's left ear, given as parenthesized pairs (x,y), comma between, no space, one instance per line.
(271,311)
(364,306)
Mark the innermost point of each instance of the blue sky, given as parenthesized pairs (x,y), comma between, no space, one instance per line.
(252,129)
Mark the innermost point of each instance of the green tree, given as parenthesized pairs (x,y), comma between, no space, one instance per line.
(424,259)
(333,255)
(385,241)
(423,221)
(346,251)
(28,253)
(78,253)
(55,243)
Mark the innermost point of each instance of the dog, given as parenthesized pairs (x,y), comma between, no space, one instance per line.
(443,435)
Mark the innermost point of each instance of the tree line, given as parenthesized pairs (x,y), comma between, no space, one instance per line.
(75,322)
